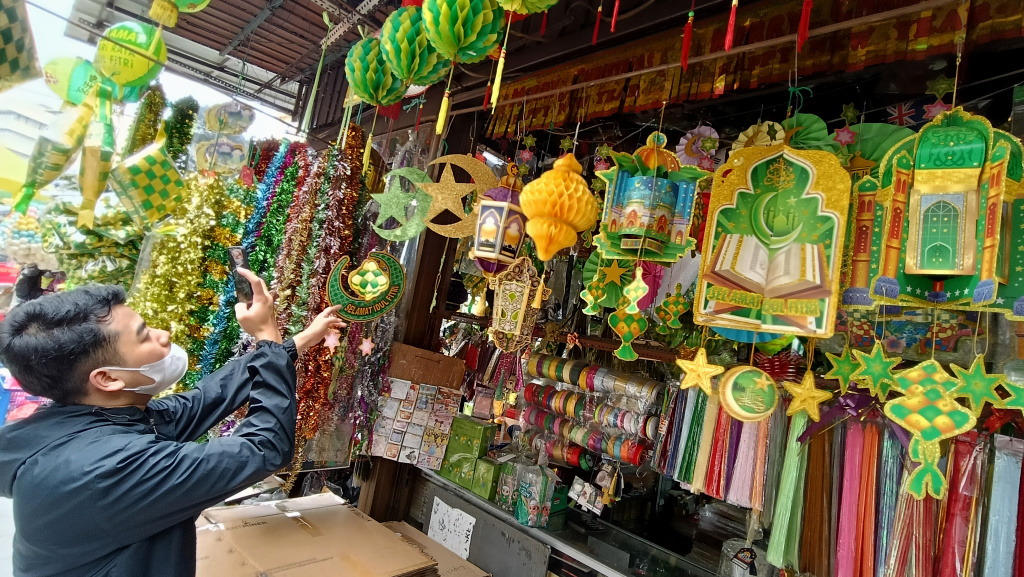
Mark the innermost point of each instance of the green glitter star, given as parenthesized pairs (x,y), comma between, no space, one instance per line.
(940,87)
(875,372)
(844,156)
(709,144)
(529,141)
(843,368)
(771,131)
(604,151)
(1016,398)
(394,203)
(850,113)
(978,386)
(566,144)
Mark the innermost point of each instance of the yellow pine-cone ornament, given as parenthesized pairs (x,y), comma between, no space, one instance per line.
(558,205)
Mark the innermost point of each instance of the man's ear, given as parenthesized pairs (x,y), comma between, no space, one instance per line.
(105,380)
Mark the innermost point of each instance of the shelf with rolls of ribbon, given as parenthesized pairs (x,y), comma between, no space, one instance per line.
(584,409)
(618,447)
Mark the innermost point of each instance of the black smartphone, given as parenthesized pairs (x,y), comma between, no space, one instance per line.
(238,258)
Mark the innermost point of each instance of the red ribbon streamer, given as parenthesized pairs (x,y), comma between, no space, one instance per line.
(544,23)
(684,57)
(805,25)
(615,14)
(597,24)
(487,96)
(730,31)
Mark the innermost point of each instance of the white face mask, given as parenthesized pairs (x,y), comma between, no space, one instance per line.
(165,372)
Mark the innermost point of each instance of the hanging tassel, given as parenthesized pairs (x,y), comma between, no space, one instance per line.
(501,69)
(442,115)
(544,23)
(369,145)
(615,14)
(597,25)
(418,116)
(805,25)
(684,57)
(730,31)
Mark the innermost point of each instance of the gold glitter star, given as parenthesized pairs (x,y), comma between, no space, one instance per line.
(806,397)
(699,372)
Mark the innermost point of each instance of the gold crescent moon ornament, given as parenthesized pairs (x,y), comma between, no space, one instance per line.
(378,283)
(447,194)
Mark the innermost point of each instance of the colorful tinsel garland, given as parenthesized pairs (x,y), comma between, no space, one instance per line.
(147,122)
(180,127)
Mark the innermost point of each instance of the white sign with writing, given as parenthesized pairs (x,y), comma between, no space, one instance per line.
(451,527)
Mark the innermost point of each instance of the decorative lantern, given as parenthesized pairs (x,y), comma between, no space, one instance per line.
(518,294)
(649,205)
(558,205)
(165,12)
(500,226)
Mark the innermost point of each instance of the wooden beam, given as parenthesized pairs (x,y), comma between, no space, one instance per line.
(251,27)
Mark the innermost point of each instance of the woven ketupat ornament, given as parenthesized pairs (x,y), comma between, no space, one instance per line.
(148,184)
(54,151)
(18,60)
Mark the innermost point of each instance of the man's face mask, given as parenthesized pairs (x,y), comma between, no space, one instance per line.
(165,372)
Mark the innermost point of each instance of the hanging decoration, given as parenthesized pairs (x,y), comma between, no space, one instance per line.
(369,75)
(699,372)
(843,367)
(697,144)
(940,215)
(629,326)
(604,281)
(378,284)
(670,309)
(449,195)
(148,184)
(748,394)
(649,207)
(684,54)
(137,66)
(558,205)
(501,226)
(394,204)
(874,372)
(97,159)
(165,12)
(804,29)
(807,397)
(463,31)
(148,121)
(180,128)
(770,207)
(929,412)
(977,386)
(760,134)
(521,8)
(73,79)
(408,51)
(229,118)
(55,150)
(21,63)
(518,294)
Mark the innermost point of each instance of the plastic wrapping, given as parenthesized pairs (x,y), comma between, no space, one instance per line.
(536,491)
(962,521)
(1001,523)
(737,558)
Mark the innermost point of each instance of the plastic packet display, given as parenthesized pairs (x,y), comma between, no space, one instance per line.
(740,559)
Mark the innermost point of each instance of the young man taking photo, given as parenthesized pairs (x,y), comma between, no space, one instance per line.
(108,481)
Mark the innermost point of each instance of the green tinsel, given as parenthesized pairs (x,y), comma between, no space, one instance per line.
(147,121)
(263,256)
(298,314)
(179,128)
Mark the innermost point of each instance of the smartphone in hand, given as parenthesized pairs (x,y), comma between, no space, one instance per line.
(238,258)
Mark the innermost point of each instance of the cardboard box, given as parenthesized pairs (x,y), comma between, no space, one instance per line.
(485,479)
(318,536)
(472,436)
(448,564)
(458,467)
(426,367)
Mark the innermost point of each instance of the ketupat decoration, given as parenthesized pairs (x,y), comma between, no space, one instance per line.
(633,293)
(558,205)
(378,283)
(806,397)
(97,160)
(874,372)
(977,386)
(670,309)
(649,206)
(408,51)
(843,368)
(628,326)
(770,206)
(941,199)
(930,413)
(699,372)
(129,68)
(748,394)
(18,60)
(447,194)
(395,204)
(148,184)
(55,150)
(369,75)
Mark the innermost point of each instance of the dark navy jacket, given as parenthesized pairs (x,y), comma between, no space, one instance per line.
(116,492)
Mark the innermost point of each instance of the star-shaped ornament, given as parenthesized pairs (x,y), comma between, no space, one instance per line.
(850,114)
(613,273)
(699,372)
(367,347)
(566,144)
(875,372)
(529,141)
(978,386)
(526,155)
(806,397)
(448,194)
(935,109)
(940,87)
(332,340)
(705,162)
(709,144)
(1016,398)
(844,136)
(844,156)
(394,203)
(772,131)
(604,151)
(843,367)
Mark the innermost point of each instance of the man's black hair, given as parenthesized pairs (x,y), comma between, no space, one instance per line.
(51,344)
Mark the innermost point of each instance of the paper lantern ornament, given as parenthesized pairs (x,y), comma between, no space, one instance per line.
(448,194)
(165,12)
(411,56)
(369,75)
(558,205)
(649,204)
(128,67)
(929,412)
(518,294)
(395,204)
(500,226)
(377,286)
(1010,260)
(941,195)
(463,31)
(748,394)
(773,246)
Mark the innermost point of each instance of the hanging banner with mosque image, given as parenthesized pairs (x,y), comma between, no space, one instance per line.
(941,195)
(776,224)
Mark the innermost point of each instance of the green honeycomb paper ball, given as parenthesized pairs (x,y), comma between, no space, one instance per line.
(369,75)
(463,30)
(408,52)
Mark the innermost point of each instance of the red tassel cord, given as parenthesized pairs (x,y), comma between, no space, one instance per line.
(597,25)
(615,14)
(805,25)
(730,31)
(544,23)
(487,96)
(684,57)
